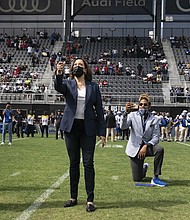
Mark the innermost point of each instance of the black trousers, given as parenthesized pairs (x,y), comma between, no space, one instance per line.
(30,130)
(138,171)
(44,127)
(19,130)
(57,133)
(75,140)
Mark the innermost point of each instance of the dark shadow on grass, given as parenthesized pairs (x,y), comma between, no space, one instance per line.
(179,182)
(169,182)
(20,207)
(156,205)
(22,188)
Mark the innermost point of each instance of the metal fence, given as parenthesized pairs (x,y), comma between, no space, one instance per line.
(47,98)
(110,32)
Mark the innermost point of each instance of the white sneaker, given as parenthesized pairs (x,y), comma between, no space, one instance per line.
(9,143)
(2,143)
(158,182)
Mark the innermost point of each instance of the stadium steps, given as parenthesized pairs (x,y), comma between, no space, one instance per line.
(174,78)
(47,77)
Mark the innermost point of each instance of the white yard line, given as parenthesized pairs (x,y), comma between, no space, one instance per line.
(41,199)
(19,139)
(184,143)
(16,173)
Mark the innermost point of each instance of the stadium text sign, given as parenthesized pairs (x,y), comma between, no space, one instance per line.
(112,7)
(109,3)
(178,7)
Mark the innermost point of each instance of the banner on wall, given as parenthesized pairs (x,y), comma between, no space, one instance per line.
(30,7)
(112,7)
(178,7)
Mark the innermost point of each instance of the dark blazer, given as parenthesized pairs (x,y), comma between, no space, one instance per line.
(110,120)
(93,113)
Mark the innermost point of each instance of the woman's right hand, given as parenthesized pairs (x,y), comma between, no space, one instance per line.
(60,66)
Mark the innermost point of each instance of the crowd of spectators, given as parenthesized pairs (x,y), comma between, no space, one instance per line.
(179,94)
(21,58)
(111,61)
(181,50)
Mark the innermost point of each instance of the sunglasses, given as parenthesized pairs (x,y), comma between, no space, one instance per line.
(143,104)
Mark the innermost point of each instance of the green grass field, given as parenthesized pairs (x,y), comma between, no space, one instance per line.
(34,183)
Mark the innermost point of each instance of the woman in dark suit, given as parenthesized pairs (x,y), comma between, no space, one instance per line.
(82,121)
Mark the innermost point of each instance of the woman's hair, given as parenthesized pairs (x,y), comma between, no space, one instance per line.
(87,73)
(146,97)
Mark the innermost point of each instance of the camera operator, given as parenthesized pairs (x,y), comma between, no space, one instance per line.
(7,123)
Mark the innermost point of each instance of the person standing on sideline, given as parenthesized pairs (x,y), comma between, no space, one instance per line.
(176,125)
(143,140)
(44,124)
(18,119)
(110,125)
(30,124)
(57,123)
(7,123)
(119,118)
(82,121)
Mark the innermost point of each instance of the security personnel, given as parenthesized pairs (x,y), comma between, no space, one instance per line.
(44,124)
(30,124)
(57,123)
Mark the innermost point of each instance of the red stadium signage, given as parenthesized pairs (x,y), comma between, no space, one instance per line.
(178,7)
(112,7)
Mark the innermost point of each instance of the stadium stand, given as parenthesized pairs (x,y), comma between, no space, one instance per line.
(116,60)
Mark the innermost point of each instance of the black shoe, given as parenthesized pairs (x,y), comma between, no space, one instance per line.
(90,207)
(70,203)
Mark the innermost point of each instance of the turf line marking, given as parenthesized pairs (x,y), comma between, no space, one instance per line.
(19,139)
(16,173)
(41,199)
(184,144)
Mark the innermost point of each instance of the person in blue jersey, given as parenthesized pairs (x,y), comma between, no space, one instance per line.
(82,121)
(7,123)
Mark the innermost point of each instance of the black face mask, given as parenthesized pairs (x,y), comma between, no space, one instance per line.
(78,71)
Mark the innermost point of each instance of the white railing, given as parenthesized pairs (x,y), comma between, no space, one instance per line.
(48,98)
(54,98)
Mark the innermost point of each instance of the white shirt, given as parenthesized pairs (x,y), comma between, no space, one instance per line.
(80,103)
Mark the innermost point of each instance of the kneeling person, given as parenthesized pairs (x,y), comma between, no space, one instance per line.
(143,140)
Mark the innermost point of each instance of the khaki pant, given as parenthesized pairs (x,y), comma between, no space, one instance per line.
(108,131)
(164,133)
(183,136)
(177,133)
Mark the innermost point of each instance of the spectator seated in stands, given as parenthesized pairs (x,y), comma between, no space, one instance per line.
(114,53)
(2,38)
(187,52)
(99,39)
(97,70)
(88,39)
(45,52)
(41,34)
(128,70)
(102,83)
(27,82)
(133,75)
(23,67)
(34,75)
